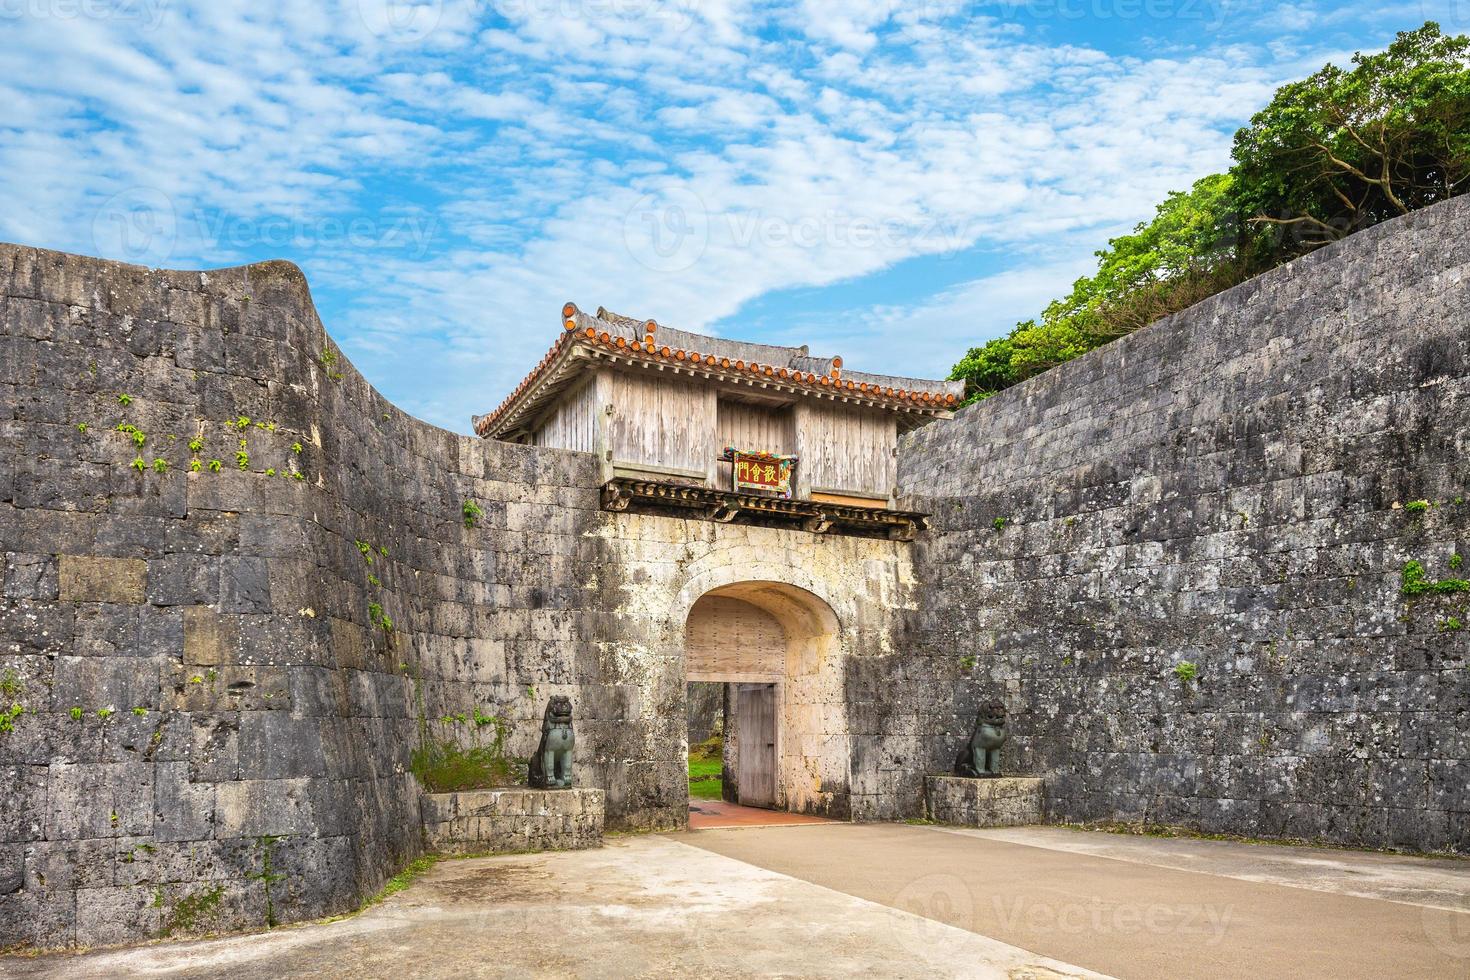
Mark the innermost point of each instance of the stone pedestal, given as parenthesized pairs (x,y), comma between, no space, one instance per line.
(1006,801)
(495,821)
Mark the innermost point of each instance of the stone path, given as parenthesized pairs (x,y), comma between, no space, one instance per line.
(1142,907)
(638,907)
(710,814)
(842,900)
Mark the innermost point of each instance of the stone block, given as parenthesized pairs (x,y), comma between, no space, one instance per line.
(89,579)
(1005,801)
(512,820)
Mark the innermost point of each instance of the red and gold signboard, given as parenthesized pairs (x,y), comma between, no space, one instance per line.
(761,471)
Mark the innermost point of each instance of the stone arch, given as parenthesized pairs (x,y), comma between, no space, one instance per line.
(797,644)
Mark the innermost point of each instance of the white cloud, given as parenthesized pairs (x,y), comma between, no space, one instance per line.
(673,159)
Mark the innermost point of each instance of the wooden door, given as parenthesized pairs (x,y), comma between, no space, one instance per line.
(755,729)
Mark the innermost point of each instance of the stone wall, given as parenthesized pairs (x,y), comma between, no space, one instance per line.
(1232,488)
(220,673)
(511,821)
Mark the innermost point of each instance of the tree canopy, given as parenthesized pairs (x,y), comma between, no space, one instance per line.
(1331,155)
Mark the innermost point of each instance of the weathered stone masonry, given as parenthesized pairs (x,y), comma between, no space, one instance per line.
(216,726)
(1233,488)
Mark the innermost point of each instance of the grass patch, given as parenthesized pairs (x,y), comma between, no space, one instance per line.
(706,764)
(704,778)
(443,767)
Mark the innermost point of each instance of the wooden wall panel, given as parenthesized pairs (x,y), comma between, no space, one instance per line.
(573,425)
(753,427)
(662,421)
(846,449)
(728,637)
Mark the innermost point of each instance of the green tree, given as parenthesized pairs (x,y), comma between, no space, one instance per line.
(1194,238)
(1346,149)
(1337,152)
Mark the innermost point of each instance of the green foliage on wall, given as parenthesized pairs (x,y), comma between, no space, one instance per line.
(1332,154)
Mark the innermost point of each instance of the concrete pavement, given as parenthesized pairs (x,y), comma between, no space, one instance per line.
(639,907)
(1142,907)
(881,900)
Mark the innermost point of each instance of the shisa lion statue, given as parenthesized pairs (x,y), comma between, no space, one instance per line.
(980,758)
(551,766)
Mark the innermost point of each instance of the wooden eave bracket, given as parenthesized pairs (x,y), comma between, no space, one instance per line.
(722,506)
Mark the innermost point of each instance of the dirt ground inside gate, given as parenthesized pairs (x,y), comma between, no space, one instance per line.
(839,900)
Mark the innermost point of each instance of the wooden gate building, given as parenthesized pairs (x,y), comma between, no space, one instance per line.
(722,429)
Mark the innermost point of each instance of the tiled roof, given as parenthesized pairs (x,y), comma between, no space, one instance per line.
(789,367)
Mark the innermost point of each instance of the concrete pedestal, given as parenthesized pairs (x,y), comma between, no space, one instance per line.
(495,821)
(1006,801)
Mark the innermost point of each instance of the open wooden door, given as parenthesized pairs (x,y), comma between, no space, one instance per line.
(755,729)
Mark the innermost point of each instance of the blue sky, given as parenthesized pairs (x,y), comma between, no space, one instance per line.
(889,180)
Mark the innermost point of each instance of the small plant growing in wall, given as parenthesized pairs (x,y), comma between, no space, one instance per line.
(1416,582)
(11,689)
(76,712)
(124,399)
(195,466)
(242,459)
(1417,507)
(82,428)
(215,466)
(1186,672)
(472,513)
(160,466)
(106,713)
(139,464)
(968,662)
(1450,624)
(1000,523)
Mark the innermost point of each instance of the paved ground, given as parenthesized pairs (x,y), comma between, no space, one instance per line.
(638,907)
(838,900)
(1141,907)
(709,814)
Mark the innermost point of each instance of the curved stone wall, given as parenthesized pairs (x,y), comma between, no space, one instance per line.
(221,673)
(1234,492)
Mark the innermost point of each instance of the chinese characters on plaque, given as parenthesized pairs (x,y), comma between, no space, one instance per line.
(760,471)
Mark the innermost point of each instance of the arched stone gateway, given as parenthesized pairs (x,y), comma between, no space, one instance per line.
(779,649)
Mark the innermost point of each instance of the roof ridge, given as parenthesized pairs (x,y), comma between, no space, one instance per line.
(641,339)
